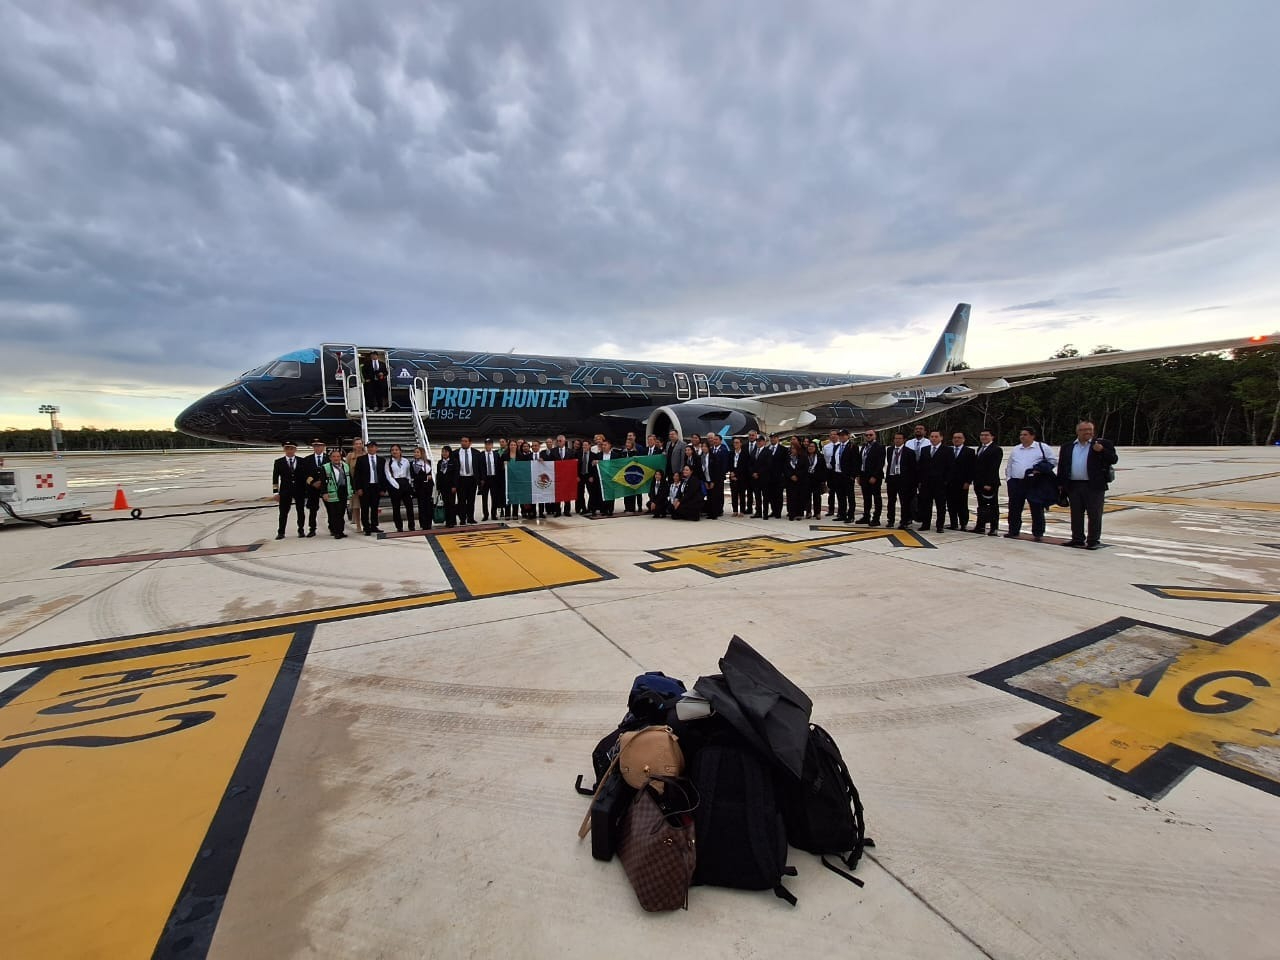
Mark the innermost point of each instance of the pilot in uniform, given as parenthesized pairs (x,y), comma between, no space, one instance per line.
(289,486)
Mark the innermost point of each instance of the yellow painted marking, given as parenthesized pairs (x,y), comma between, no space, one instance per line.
(492,562)
(1202,502)
(730,557)
(1221,701)
(102,820)
(27,658)
(1221,483)
(1236,596)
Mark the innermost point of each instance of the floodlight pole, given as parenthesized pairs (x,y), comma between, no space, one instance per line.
(52,411)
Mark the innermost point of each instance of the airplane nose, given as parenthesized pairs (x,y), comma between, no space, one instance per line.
(199,420)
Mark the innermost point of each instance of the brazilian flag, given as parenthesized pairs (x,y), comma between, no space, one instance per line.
(629,476)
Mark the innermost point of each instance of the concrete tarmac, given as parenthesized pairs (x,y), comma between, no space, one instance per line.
(216,743)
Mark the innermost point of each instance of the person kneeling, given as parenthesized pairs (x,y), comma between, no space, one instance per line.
(659,503)
(686,496)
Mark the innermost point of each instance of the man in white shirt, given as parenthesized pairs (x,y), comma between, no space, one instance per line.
(828,451)
(1084,471)
(1023,458)
(919,440)
(368,479)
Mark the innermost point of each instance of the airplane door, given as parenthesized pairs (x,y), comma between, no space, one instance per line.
(338,361)
(404,370)
(700,385)
(682,386)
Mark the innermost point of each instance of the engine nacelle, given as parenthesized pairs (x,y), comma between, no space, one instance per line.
(700,418)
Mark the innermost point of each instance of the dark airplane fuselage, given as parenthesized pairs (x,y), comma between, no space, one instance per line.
(299,396)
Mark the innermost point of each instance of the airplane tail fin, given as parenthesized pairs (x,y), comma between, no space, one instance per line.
(948,352)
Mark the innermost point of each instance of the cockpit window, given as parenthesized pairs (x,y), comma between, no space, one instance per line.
(290,369)
(256,372)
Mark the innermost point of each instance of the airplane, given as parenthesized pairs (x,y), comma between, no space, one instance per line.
(319,392)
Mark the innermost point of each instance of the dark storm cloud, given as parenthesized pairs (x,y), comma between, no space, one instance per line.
(187,189)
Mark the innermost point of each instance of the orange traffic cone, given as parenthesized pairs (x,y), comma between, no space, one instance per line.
(121,502)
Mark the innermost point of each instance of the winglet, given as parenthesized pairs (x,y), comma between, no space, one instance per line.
(948,352)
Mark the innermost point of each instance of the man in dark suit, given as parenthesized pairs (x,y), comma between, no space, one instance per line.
(585,462)
(316,481)
(469,471)
(871,478)
(374,374)
(493,479)
(675,454)
(986,482)
(289,486)
(367,477)
(931,475)
(633,503)
(850,461)
(777,462)
(562,451)
(607,453)
(838,476)
(1084,470)
(958,460)
(900,479)
(755,451)
(719,460)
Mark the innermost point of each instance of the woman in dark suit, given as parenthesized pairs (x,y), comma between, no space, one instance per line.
(815,475)
(794,480)
(687,496)
(423,483)
(447,481)
(659,496)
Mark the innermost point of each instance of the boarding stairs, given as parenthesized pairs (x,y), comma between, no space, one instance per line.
(392,427)
(407,428)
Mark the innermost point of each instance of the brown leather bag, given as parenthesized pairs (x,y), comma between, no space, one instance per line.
(659,858)
(649,754)
(645,756)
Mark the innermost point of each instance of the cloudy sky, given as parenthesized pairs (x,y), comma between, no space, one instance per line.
(190,188)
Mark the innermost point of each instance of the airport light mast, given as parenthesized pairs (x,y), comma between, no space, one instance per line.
(52,411)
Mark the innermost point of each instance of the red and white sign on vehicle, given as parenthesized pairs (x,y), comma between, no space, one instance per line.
(44,481)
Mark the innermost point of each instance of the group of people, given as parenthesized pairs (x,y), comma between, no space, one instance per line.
(918,478)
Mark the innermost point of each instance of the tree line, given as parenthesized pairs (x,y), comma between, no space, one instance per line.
(1214,399)
(36,440)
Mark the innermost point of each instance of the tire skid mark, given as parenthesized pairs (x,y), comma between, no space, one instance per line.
(433,688)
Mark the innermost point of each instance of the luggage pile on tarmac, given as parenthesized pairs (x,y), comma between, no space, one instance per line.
(711,786)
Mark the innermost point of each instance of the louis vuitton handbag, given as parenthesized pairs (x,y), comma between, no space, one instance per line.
(656,845)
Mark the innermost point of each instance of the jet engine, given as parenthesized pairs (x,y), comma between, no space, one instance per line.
(700,418)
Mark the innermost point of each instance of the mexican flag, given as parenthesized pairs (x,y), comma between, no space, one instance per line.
(628,476)
(542,481)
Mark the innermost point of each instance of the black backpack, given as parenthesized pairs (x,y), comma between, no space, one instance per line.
(742,840)
(822,810)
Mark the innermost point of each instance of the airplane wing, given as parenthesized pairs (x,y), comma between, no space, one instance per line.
(789,408)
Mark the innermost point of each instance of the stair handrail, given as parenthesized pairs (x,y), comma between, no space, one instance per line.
(364,407)
(419,428)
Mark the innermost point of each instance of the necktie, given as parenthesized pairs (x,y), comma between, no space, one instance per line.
(291,463)
(897,459)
